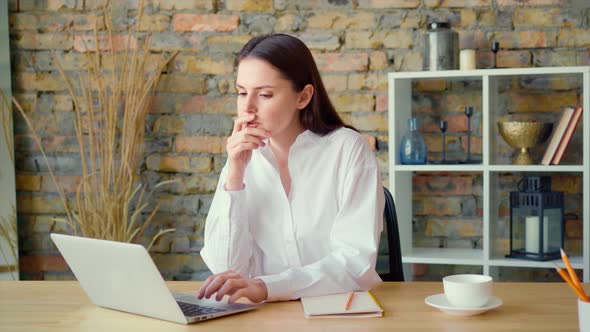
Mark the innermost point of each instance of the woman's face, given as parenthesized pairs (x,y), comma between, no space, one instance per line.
(265,93)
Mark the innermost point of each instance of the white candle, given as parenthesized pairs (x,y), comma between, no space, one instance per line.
(467,59)
(532,234)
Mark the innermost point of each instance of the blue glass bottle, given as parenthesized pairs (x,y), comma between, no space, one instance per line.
(412,149)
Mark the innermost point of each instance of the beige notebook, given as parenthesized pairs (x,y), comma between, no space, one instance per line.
(364,304)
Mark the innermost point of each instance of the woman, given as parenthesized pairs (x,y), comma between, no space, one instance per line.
(298,210)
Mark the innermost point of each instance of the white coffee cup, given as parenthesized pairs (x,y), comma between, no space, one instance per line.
(584,315)
(467,290)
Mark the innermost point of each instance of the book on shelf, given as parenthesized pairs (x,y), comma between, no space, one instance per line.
(567,136)
(363,305)
(558,132)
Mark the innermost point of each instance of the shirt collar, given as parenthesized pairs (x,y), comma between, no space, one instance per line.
(307,136)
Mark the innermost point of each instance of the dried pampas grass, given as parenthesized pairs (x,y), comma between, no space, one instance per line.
(110,111)
(8,229)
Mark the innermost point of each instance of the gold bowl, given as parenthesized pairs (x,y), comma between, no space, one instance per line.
(524,135)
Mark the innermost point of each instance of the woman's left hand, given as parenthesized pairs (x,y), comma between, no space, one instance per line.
(235,285)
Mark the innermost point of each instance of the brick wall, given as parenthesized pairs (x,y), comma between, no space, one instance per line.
(355,43)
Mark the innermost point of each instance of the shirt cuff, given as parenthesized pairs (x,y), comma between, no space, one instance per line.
(236,201)
(233,222)
(277,287)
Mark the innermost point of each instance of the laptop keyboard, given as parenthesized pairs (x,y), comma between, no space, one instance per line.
(190,309)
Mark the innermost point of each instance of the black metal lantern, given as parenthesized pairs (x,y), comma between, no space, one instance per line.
(536,220)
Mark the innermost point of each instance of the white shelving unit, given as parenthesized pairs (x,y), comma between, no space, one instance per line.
(400,176)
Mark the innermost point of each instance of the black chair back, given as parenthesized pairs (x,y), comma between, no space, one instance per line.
(396,271)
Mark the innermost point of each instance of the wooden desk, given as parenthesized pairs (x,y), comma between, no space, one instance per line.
(63,306)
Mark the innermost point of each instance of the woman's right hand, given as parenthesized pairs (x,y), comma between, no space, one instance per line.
(239,147)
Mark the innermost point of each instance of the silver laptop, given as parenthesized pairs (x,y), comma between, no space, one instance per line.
(122,276)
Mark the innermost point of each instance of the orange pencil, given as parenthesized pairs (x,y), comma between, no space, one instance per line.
(579,291)
(348,301)
(570,270)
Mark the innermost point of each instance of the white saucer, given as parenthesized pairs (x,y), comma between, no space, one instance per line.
(440,302)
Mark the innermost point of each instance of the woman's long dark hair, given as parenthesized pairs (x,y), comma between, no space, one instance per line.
(294,60)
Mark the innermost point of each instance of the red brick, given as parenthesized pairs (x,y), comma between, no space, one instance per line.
(529,2)
(378,60)
(171,41)
(573,229)
(474,39)
(249,5)
(50,102)
(55,22)
(455,123)
(335,82)
(28,182)
(382,4)
(227,43)
(380,39)
(194,64)
(42,81)
(60,143)
(431,85)
(442,185)
(573,38)
(39,204)
(440,206)
(543,17)
(468,18)
(169,125)
(370,140)
(205,22)
(369,121)
(117,5)
(42,41)
(68,184)
(525,39)
(457,3)
(545,102)
(341,20)
(207,104)
(567,184)
(454,102)
(381,103)
(354,102)
(186,4)
(87,43)
(182,83)
(372,81)
(168,103)
(50,5)
(342,61)
(184,164)
(454,228)
(43,263)
(434,143)
(200,144)
(157,22)
(476,144)
(513,59)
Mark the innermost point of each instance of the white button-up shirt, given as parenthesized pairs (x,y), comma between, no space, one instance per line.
(320,239)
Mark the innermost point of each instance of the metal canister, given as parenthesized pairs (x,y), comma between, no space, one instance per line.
(441,47)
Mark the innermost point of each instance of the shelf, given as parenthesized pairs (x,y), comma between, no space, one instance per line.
(444,256)
(577,263)
(439,168)
(537,168)
(493,105)
(478,73)
(492,168)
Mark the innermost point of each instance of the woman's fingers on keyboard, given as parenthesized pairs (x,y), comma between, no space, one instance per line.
(230,287)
